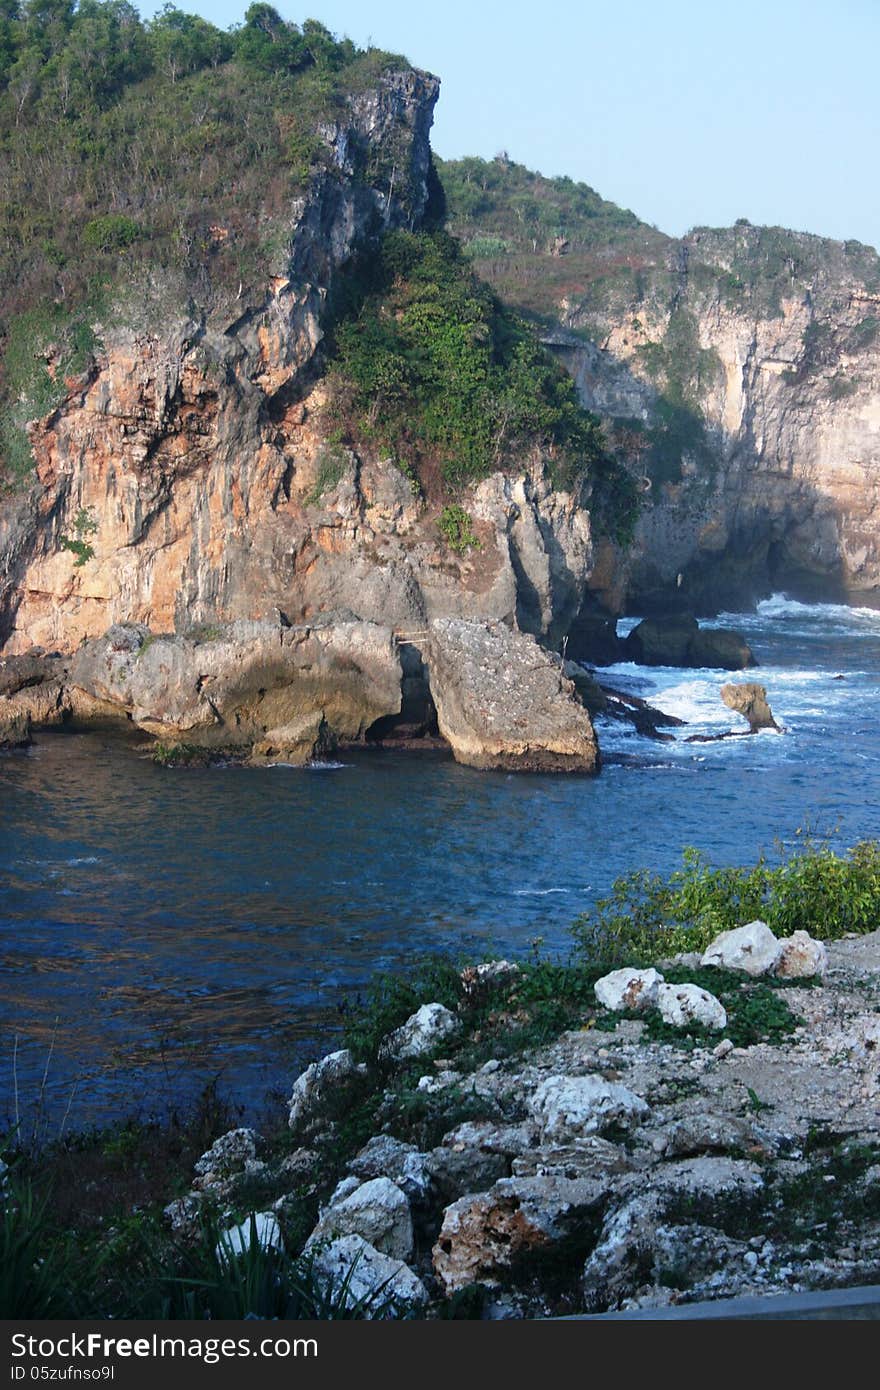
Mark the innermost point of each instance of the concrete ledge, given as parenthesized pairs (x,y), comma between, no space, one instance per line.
(828,1304)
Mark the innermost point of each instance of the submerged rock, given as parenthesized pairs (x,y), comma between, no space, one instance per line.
(503,702)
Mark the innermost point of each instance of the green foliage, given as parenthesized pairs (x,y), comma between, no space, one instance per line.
(812,889)
(683,372)
(111,232)
(392,998)
(426,363)
(455,528)
(148,154)
(84,524)
(34,1272)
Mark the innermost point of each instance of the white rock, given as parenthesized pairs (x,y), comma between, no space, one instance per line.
(228,1154)
(423,1031)
(752,948)
(262,1226)
(801,956)
(433,1084)
(312,1087)
(722,1049)
(379,1285)
(567,1106)
(628,989)
(377,1211)
(681,1005)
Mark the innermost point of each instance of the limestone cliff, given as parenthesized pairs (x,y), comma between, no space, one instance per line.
(738,370)
(778,484)
(188,476)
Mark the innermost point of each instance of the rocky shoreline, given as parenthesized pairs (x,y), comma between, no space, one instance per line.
(666,1148)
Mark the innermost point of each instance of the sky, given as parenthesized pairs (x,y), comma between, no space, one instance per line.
(688,112)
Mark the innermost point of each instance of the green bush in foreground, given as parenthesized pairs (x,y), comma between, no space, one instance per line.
(813,889)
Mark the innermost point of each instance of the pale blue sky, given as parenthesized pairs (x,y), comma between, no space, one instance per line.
(686,112)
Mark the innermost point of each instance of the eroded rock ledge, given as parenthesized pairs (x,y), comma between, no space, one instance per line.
(271,690)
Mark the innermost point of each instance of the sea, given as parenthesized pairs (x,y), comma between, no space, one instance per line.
(167,929)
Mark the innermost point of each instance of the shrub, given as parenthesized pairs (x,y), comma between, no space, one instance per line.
(111,232)
(813,889)
(455,527)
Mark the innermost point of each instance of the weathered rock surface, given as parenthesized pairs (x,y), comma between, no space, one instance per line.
(775,491)
(679,640)
(750,700)
(503,702)
(422,1032)
(279,690)
(628,989)
(567,1107)
(801,957)
(377,1210)
(752,948)
(261,1229)
(318,1083)
(378,1285)
(684,1004)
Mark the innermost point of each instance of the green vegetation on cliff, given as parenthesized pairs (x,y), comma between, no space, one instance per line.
(128,148)
(539,240)
(427,363)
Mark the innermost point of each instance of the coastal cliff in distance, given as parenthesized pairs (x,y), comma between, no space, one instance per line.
(737,370)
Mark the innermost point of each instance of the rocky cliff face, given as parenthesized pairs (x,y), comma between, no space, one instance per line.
(189,478)
(751,412)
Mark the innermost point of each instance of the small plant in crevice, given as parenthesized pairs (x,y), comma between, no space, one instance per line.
(84,524)
(456,528)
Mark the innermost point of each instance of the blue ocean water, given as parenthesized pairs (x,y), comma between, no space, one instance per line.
(160,928)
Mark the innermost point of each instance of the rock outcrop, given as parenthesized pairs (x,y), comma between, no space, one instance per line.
(678,640)
(503,702)
(750,700)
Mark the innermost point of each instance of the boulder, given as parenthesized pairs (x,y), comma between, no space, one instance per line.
(313,1087)
(404,1164)
(503,701)
(801,957)
(628,989)
(750,700)
(681,1005)
(484,1235)
(481,979)
(261,1227)
(376,1210)
(360,1277)
(228,1155)
(680,641)
(567,1107)
(423,1031)
(752,948)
